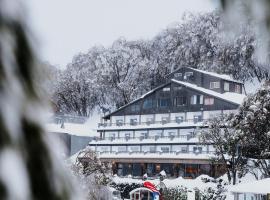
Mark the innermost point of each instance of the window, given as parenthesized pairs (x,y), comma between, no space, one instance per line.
(193,99)
(238,88)
(179,119)
(122,149)
(112,136)
(226,86)
(119,122)
(148,103)
(144,135)
(189,74)
(135,108)
(208,101)
(133,121)
(214,85)
(184,149)
(163,103)
(152,149)
(165,149)
(180,101)
(197,149)
(167,89)
(165,120)
(177,88)
(177,75)
(127,136)
(196,99)
(197,118)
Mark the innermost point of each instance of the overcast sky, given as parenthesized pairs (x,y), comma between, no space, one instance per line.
(67,27)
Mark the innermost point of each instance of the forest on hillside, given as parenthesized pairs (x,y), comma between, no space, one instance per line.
(108,78)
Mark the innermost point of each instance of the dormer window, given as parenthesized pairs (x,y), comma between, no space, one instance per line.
(167,89)
(177,75)
(188,75)
(214,85)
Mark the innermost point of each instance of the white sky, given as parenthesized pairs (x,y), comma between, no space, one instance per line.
(67,27)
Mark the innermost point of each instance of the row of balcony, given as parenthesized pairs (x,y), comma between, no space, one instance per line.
(134,122)
(196,152)
(144,137)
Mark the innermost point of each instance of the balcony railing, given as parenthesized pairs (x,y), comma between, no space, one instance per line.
(148,123)
(156,152)
(140,138)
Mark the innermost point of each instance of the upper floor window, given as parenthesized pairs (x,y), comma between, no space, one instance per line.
(177,75)
(237,88)
(214,85)
(226,86)
(196,99)
(165,149)
(180,101)
(164,102)
(133,121)
(135,108)
(179,119)
(208,101)
(188,75)
(119,122)
(197,118)
(148,103)
(167,89)
(177,88)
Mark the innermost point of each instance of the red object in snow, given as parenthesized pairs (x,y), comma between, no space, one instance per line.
(150,186)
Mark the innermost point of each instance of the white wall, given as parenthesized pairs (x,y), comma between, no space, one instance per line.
(129,117)
(166,132)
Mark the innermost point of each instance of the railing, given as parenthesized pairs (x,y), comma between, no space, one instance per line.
(157,137)
(152,122)
(156,152)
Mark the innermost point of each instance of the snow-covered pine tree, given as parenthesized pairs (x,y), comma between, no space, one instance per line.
(253,128)
(28,170)
(222,135)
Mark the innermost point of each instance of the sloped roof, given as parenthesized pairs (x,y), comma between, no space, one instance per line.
(231,97)
(221,76)
(227,96)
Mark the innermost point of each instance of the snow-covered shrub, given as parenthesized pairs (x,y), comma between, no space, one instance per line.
(125,188)
(212,193)
(92,175)
(176,193)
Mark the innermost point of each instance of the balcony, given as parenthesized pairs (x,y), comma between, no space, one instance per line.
(152,122)
(146,138)
(172,153)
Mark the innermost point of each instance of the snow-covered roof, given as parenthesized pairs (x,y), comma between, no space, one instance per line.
(227,96)
(222,76)
(254,187)
(72,129)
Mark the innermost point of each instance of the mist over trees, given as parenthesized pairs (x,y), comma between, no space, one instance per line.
(108,78)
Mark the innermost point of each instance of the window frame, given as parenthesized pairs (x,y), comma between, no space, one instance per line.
(215,85)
